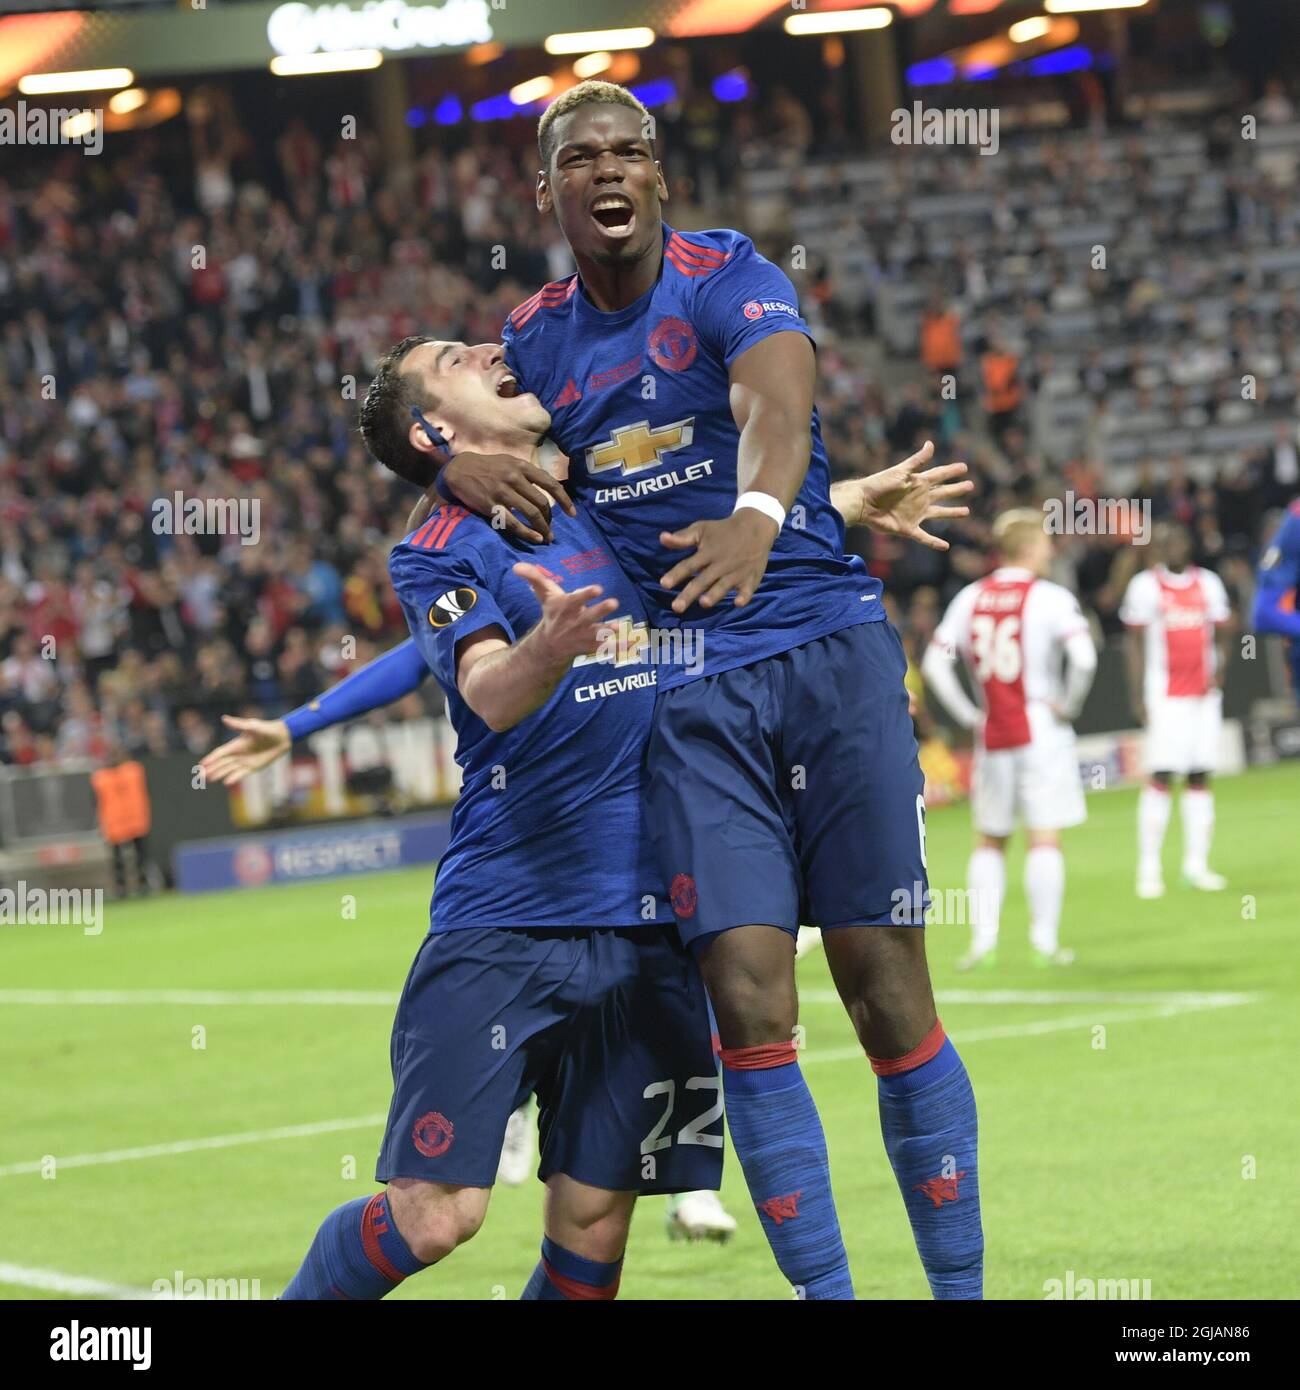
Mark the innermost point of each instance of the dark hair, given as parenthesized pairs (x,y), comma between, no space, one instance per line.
(385,416)
(590,93)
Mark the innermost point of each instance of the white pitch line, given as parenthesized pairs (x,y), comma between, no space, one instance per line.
(70,998)
(1053,1025)
(200,998)
(51,1281)
(1041,996)
(186,1146)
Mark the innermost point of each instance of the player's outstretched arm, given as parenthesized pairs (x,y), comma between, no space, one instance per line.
(1135,667)
(771,402)
(503,682)
(259,742)
(898,501)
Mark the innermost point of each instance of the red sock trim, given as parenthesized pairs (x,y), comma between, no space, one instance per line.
(1158,787)
(758,1058)
(370,1232)
(919,1055)
(575,1289)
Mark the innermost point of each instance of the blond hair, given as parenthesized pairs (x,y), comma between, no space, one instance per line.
(589,93)
(1015,530)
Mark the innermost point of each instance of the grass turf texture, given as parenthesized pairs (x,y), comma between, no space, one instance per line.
(1117,1161)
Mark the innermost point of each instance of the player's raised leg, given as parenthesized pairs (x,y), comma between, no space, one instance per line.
(724,843)
(860,830)
(927,1106)
(771,1116)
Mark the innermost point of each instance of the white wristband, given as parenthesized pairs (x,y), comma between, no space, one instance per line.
(762,502)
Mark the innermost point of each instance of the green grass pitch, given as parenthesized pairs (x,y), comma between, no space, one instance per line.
(1137,1111)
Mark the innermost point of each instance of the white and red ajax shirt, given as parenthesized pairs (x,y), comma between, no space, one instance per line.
(1179,613)
(1009,628)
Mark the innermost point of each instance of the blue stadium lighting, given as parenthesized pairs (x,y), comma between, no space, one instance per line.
(1076,59)
(449,111)
(931,73)
(980,74)
(416,117)
(498,108)
(656,93)
(731,86)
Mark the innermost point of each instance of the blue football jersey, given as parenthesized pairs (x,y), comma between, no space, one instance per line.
(1279,566)
(548,830)
(639,401)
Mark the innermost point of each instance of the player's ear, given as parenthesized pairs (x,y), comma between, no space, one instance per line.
(543,192)
(663,184)
(421,441)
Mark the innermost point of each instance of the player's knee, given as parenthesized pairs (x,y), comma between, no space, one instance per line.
(750,979)
(1198,779)
(592,1222)
(432,1219)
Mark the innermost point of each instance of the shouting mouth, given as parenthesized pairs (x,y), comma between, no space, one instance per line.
(507,387)
(614,214)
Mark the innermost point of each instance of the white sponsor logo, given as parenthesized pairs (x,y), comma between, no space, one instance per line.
(629,492)
(616,685)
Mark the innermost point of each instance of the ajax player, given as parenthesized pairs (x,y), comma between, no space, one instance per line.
(1012,628)
(1177,615)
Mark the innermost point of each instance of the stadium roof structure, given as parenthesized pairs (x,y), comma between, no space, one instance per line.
(225,36)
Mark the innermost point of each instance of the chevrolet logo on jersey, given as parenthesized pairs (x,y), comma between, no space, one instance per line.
(634,447)
(622,643)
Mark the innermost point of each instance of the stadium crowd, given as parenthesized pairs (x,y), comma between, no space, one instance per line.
(212,334)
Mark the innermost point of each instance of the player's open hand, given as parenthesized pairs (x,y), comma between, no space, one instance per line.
(572,623)
(257,743)
(899,500)
(498,486)
(726,555)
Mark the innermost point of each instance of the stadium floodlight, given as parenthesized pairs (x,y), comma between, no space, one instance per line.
(525,93)
(1026,30)
(88,80)
(599,38)
(309,64)
(79,124)
(1078,6)
(122,103)
(592,64)
(839,21)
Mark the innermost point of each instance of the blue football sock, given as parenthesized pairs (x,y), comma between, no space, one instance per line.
(778,1138)
(927,1118)
(562,1276)
(358,1253)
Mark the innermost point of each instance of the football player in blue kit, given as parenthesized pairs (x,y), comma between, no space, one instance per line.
(444,1201)
(783,782)
(552,964)
(1278,578)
